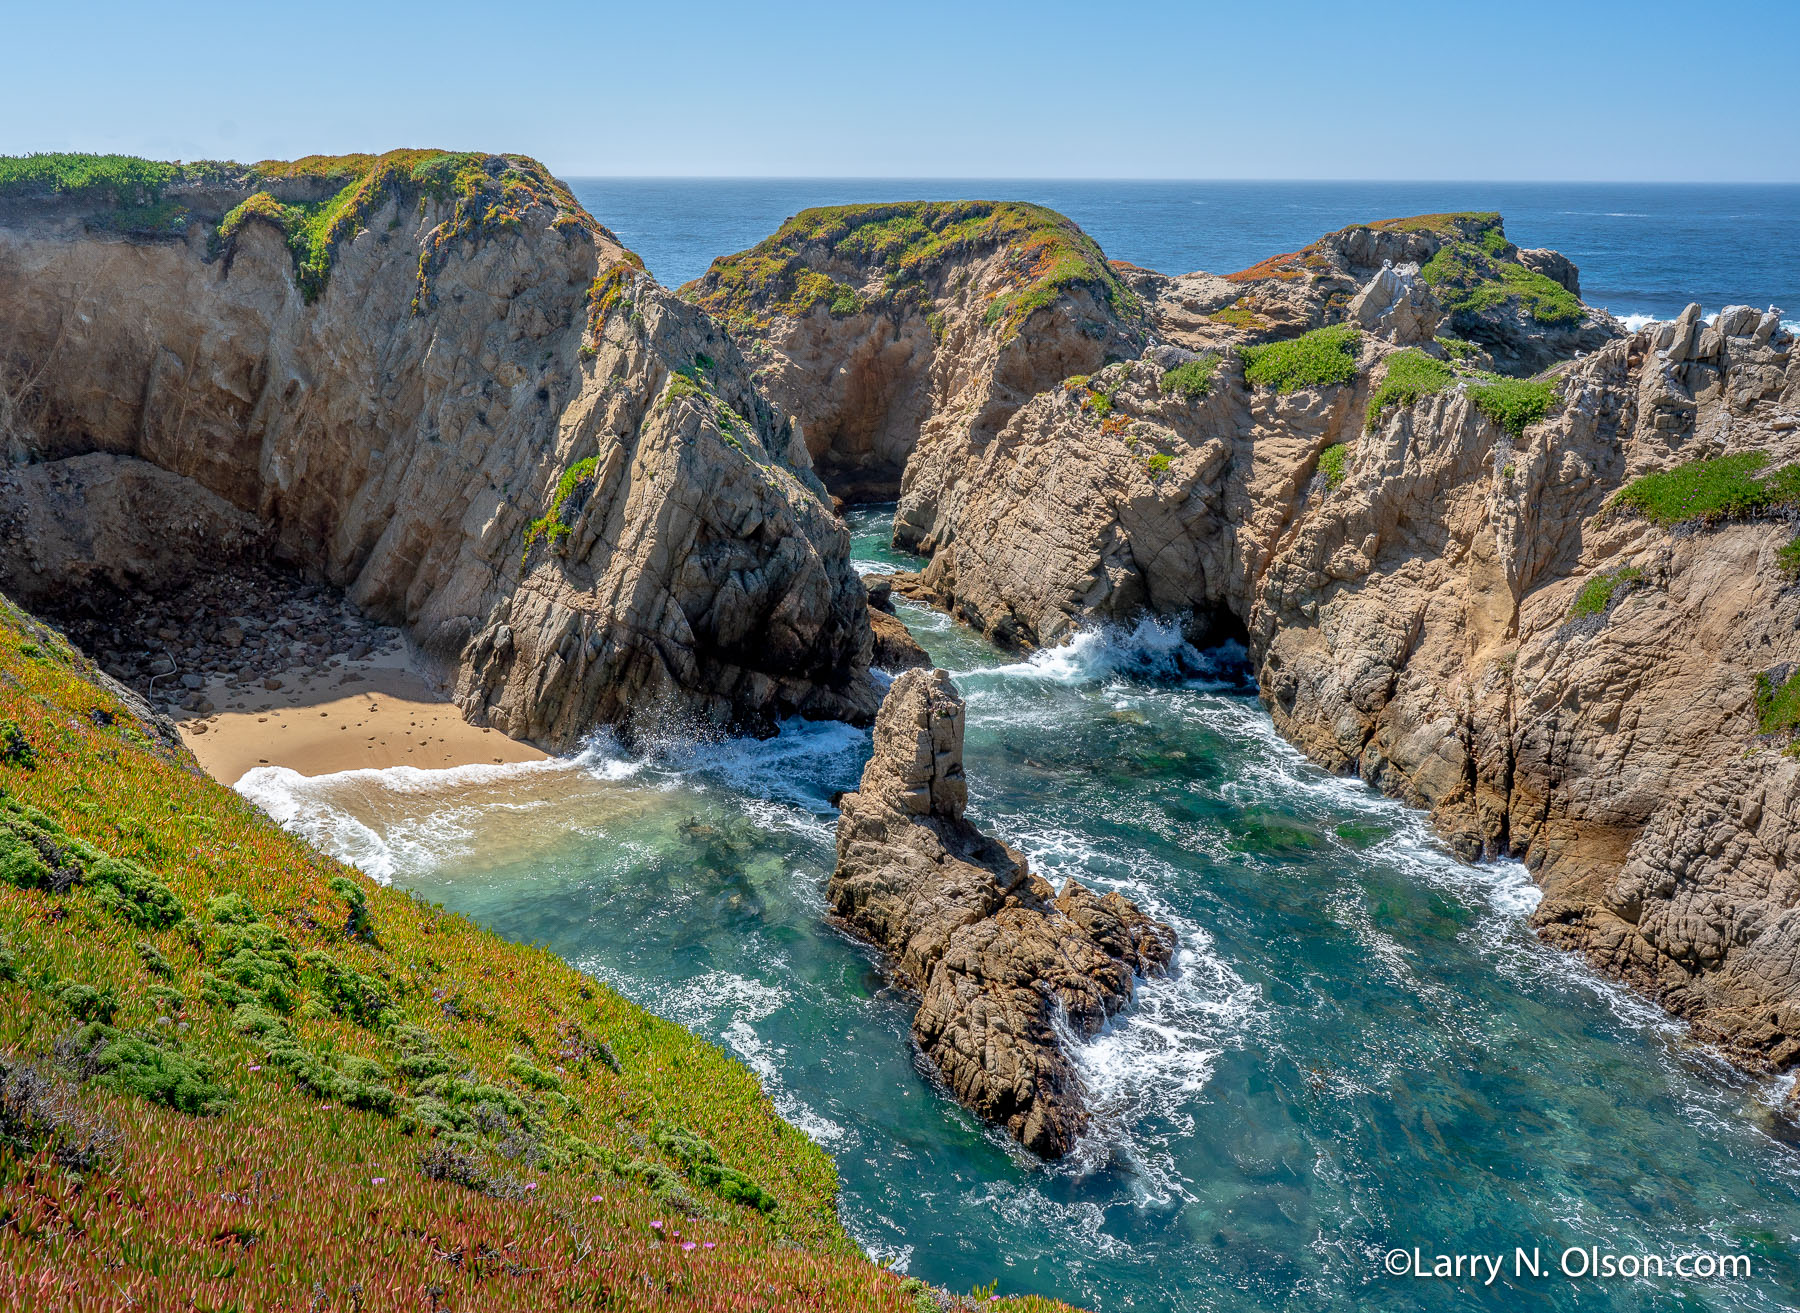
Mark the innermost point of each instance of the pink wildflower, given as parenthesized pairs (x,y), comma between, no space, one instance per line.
(687,1244)
(657,1224)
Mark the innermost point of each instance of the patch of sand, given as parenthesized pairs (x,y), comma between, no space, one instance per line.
(378,712)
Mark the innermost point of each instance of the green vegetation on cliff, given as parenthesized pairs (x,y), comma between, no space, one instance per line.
(1513,403)
(1192,379)
(487,194)
(909,243)
(1597,594)
(317,203)
(115,179)
(1411,374)
(1317,359)
(1474,269)
(1777,705)
(1467,225)
(1710,491)
(237,1074)
(1472,273)
(1334,464)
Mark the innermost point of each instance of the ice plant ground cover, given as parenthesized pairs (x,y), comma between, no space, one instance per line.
(237,1074)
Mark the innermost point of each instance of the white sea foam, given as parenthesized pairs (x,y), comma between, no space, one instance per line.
(397,818)
(1634,322)
(1151,649)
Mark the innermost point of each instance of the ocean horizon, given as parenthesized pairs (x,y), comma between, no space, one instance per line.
(1645,250)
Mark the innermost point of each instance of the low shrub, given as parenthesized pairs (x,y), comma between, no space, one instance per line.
(132,1064)
(1777,705)
(1411,374)
(1192,379)
(1513,403)
(1333,464)
(39,1111)
(1710,491)
(1321,358)
(1597,594)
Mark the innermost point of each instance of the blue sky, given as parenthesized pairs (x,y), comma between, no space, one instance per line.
(915,88)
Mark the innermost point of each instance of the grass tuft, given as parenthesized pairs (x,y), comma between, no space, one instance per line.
(1192,379)
(1513,403)
(1334,464)
(1597,594)
(1411,374)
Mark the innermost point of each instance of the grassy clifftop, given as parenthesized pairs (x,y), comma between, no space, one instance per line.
(1473,268)
(237,1074)
(908,244)
(317,203)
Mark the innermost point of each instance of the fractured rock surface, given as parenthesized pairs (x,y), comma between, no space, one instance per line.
(997,957)
(558,478)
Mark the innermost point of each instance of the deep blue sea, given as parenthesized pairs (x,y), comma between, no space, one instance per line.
(1363,1052)
(1643,249)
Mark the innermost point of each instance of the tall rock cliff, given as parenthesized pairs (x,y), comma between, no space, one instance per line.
(437,381)
(907,334)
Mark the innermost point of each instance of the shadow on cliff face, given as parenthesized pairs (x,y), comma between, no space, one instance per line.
(463,403)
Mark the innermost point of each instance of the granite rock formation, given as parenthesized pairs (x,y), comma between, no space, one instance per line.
(439,384)
(1000,961)
(1447,575)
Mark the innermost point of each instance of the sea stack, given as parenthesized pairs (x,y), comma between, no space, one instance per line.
(993,952)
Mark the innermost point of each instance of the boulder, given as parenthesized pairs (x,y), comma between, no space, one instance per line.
(1555,266)
(1396,304)
(895,647)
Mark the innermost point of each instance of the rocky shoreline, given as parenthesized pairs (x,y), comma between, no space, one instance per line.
(1406,467)
(1486,549)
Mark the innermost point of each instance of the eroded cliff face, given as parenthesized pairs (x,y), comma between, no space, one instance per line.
(1436,580)
(998,958)
(1448,601)
(467,406)
(906,335)
(1472,623)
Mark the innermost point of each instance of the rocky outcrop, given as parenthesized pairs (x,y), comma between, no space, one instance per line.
(453,394)
(1001,962)
(1474,623)
(1443,593)
(1398,305)
(917,328)
(1525,313)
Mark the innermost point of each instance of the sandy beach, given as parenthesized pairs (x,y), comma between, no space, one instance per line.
(371,713)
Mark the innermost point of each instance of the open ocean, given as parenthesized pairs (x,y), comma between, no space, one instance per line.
(1363,1048)
(1644,249)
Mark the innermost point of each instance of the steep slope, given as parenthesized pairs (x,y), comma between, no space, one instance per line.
(238,1074)
(442,385)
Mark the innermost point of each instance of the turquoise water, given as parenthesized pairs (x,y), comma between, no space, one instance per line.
(1363,1046)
